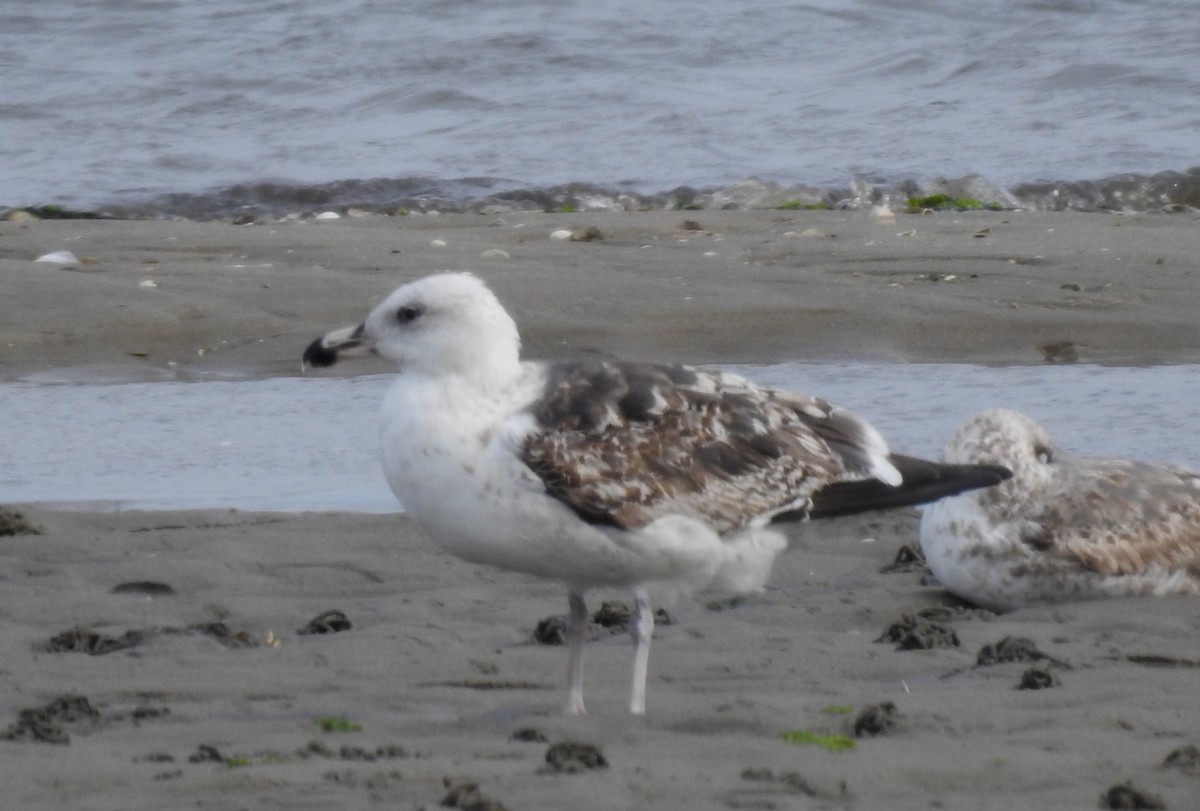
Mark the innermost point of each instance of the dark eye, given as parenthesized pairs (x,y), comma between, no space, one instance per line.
(1045,454)
(408,313)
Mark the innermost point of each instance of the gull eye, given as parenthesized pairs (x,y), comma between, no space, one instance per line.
(408,313)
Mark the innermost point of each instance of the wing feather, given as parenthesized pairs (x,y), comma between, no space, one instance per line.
(1117,517)
(626,443)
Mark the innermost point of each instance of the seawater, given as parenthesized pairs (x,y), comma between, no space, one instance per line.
(171,107)
(297,444)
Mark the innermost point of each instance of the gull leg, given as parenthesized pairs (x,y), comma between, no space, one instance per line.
(577,624)
(641,627)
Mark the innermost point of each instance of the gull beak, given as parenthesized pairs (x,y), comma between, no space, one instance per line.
(347,342)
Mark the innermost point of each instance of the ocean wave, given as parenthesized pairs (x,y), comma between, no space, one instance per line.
(272,200)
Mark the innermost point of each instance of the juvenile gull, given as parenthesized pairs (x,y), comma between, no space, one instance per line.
(608,474)
(1064,527)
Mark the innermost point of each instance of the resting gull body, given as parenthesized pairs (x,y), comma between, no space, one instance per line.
(608,474)
(1063,527)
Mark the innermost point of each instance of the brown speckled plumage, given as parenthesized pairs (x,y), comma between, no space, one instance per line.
(626,443)
(1064,527)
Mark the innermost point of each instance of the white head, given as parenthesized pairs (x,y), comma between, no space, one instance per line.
(445,324)
(1009,438)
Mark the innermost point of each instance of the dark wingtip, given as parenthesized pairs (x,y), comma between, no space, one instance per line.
(318,355)
(924,481)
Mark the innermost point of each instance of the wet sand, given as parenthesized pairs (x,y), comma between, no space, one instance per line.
(176,635)
(749,286)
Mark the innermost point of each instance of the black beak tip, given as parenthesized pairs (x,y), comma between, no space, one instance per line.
(318,355)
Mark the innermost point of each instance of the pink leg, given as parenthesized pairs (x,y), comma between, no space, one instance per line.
(641,627)
(577,624)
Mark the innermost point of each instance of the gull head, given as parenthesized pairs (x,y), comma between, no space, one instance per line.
(1009,438)
(448,323)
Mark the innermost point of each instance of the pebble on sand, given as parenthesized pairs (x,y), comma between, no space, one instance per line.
(63,258)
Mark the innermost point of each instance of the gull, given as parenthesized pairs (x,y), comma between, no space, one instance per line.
(1063,527)
(608,474)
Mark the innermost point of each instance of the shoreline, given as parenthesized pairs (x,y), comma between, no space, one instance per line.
(1132,191)
(746,287)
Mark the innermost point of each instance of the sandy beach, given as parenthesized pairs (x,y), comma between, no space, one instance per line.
(747,286)
(169,659)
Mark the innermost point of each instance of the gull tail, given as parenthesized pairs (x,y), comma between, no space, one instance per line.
(924,481)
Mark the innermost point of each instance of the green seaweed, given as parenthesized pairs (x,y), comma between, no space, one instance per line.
(333,723)
(944,202)
(931,201)
(800,205)
(831,743)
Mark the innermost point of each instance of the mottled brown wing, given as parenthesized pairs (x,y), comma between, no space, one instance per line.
(1116,517)
(624,444)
